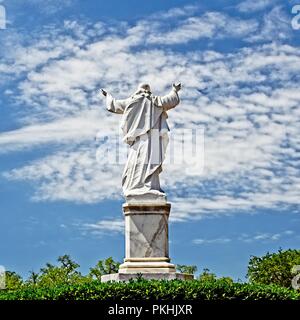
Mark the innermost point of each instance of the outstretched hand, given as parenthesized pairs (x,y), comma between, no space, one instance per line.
(177,86)
(103,92)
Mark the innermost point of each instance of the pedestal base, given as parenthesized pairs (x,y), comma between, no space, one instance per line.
(147,244)
(147,265)
(148,276)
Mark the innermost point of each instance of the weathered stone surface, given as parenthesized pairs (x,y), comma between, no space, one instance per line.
(145,129)
(147,244)
(149,276)
(146,238)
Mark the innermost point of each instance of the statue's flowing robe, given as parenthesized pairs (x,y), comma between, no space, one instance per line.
(145,129)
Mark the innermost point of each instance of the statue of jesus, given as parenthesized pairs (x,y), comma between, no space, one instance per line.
(145,130)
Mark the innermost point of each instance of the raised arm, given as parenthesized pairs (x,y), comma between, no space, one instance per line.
(114,105)
(171,100)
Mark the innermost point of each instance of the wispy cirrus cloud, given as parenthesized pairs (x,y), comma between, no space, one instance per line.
(276,25)
(103,227)
(47,7)
(211,241)
(248,106)
(71,175)
(266,237)
(257,237)
(251,6)
(209,25)
(76,129)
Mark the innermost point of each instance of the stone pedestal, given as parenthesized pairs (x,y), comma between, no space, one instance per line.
(147,244)
(148,276)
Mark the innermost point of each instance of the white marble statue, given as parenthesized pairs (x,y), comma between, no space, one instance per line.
(145,129)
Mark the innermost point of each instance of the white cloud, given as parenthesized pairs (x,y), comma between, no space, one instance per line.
(209,25)
(258,237)
(249,111)
(212,241)
(75,129)
(72,176)
(176,12)
(46,7)
(275,26)
(103,227)
(265,237)
(258,5)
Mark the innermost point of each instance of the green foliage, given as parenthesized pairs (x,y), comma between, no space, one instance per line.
(65,282)
(218,289)
(274,268)
(206,275)
(13,281)
(65,273)
(102,267)
(182,268)
(33,278)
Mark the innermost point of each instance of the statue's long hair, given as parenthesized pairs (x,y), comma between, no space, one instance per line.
(141,90)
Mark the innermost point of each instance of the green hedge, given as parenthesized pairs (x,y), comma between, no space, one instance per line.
(154,290)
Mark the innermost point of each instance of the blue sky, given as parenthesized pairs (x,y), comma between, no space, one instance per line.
(56,198)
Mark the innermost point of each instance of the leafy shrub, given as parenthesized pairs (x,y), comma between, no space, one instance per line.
(275,268)
(13,281)
(218,289)
(206,275)
(182,268)
(51,275)
(102,267)
(65,282)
